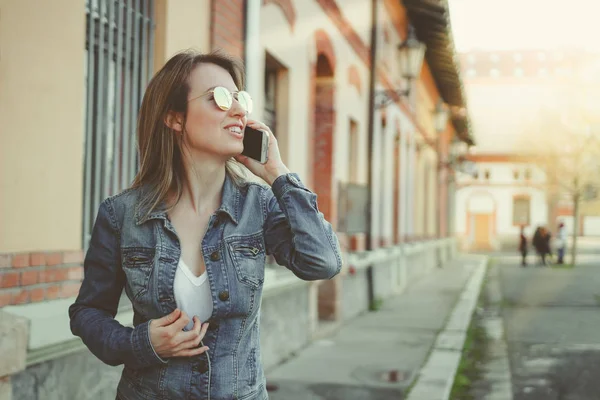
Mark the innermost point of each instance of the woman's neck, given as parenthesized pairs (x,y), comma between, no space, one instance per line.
(203,185)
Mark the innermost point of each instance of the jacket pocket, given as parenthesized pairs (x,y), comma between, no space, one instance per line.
(138,264)
(248,258)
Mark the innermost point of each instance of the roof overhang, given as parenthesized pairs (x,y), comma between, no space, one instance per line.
(431,20)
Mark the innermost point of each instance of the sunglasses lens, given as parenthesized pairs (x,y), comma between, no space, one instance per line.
(245,101)
(223,98)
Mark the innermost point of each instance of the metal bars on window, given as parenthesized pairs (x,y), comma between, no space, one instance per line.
(119,56)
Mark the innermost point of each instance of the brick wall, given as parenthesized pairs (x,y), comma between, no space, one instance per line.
(38,276)
(323,147)
(228,24)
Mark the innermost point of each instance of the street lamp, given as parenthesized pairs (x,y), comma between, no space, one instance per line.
(411,54)
(410,59)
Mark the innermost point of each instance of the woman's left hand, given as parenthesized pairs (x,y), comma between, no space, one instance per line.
(274,167)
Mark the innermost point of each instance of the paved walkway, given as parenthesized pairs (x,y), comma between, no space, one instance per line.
(418,334)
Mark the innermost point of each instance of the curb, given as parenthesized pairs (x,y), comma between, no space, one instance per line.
(436,377)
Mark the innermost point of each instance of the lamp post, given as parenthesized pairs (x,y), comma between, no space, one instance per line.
(410,59)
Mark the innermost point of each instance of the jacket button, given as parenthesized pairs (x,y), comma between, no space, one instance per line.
(213,324)
(215,256)
(224,295)
(294,180)
(201,366)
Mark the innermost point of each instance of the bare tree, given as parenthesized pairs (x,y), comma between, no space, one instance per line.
(567,147)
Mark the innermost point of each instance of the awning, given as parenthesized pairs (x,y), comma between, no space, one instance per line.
(431,20)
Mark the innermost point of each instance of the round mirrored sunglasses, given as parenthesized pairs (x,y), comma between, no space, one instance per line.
(223,98)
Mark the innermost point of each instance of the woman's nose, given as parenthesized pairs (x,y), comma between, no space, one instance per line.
(237,109)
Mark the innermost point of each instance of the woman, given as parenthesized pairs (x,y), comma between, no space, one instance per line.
(188,243)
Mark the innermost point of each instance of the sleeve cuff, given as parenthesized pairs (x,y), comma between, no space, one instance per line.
(285,182)
(142,347)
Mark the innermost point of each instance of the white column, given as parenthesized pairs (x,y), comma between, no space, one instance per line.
(376,182)
(403,181)
(253,48)
(411,183)
(388,183)
(406,189)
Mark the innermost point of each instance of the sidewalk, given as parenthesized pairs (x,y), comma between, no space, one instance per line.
(418,334)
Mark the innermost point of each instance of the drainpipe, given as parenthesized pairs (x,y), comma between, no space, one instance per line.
(371,133)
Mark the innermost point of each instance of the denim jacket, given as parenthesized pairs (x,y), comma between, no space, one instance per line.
(140,253)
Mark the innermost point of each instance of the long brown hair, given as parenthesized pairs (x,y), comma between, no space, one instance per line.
(160,148)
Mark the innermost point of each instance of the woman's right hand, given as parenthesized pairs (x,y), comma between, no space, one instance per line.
(170,340)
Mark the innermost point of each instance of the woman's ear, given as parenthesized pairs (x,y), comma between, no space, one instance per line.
(174,120)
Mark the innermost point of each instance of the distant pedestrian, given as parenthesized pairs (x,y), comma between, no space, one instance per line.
(541,243)
(561,242)
(523,247)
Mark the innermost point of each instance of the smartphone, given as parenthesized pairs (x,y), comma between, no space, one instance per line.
(256,144)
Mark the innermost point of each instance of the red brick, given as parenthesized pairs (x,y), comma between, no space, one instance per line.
(226,30)
(69,289)
(5,260)
(9,279)
(37,294)
(52,292)
(20,297)
(37,259)
(75,274)
(54,275)
(29,277)
(53,259)
(73,257)
(20,260)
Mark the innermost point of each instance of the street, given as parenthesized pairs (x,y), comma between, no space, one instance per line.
(551,323)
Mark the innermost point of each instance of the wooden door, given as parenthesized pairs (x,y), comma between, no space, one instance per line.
(482,227)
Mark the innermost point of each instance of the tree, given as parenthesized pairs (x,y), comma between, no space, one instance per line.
(567,147)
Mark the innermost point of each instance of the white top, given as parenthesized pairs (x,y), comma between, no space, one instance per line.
(192,294)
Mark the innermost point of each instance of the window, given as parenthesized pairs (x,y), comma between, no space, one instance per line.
(487,174)
(276,104)
(516,174)
(494,73)
(519,73)
(471,72)
(119,47)
(528,174)
(521,210)
(353,152)
(494,58)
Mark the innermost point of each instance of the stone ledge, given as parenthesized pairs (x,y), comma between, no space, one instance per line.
(50,334)
(13,343)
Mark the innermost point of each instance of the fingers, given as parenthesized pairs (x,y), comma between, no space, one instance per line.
(191,352)
(191,340)
(260,126)
(180,323)
(197,331)
(167,319)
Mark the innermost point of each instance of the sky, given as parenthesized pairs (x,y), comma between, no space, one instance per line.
(525,24)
